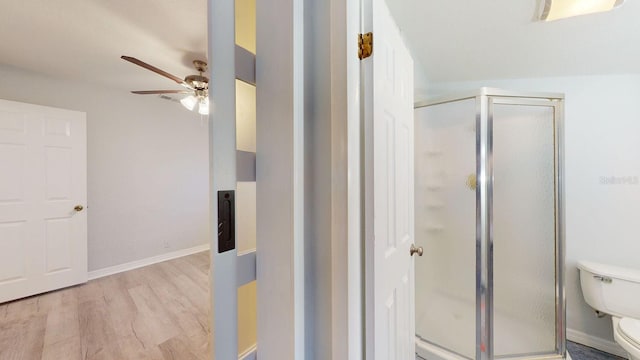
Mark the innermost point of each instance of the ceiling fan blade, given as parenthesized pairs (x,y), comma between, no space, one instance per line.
(152,92)
(153,68)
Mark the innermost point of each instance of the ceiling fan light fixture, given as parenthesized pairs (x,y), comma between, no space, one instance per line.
(561,9)
(189,102)
(203,107)
(197,85)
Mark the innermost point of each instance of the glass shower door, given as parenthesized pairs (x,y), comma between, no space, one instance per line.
(445,212)
(524,227)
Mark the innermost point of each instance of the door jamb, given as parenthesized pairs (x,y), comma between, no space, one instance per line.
(280,170)
(347,208)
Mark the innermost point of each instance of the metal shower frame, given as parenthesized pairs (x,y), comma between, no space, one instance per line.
(485,99)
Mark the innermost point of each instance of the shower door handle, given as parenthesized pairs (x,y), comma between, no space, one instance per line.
(415,250)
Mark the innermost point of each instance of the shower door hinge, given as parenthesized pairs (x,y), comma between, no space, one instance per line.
(365,45)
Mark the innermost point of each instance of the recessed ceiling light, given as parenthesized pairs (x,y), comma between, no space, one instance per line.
(560,9)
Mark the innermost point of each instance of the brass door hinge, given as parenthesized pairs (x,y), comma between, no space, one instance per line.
(365,45)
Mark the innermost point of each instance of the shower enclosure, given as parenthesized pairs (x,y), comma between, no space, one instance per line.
(489,215)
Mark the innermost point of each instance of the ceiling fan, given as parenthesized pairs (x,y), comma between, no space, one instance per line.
(197,86)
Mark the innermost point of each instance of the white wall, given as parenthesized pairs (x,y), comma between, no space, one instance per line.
(147,166)
(602,139)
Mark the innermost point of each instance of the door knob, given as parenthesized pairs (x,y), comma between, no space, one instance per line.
(78,208)
(416,250)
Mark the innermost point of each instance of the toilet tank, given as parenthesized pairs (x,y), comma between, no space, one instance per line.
(611,289)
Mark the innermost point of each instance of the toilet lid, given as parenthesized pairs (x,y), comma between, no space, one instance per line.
(630,328)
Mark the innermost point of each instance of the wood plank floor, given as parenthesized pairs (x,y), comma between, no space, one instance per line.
(158,312)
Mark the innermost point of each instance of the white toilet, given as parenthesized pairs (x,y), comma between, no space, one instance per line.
(615,291)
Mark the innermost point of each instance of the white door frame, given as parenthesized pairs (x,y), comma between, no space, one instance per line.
(347,330)
(279,177)
(347,279)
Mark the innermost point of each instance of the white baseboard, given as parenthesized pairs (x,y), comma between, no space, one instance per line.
(250,353)
(595,342)
(95,274)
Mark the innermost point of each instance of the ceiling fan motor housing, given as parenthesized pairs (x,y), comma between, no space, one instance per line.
(198,82)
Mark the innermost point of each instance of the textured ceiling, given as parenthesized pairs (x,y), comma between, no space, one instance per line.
(458,40)
(83,40)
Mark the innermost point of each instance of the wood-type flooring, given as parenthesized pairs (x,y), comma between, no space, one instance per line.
(158,312)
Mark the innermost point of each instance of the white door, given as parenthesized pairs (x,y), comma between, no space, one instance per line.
(389,191)
(43,192)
